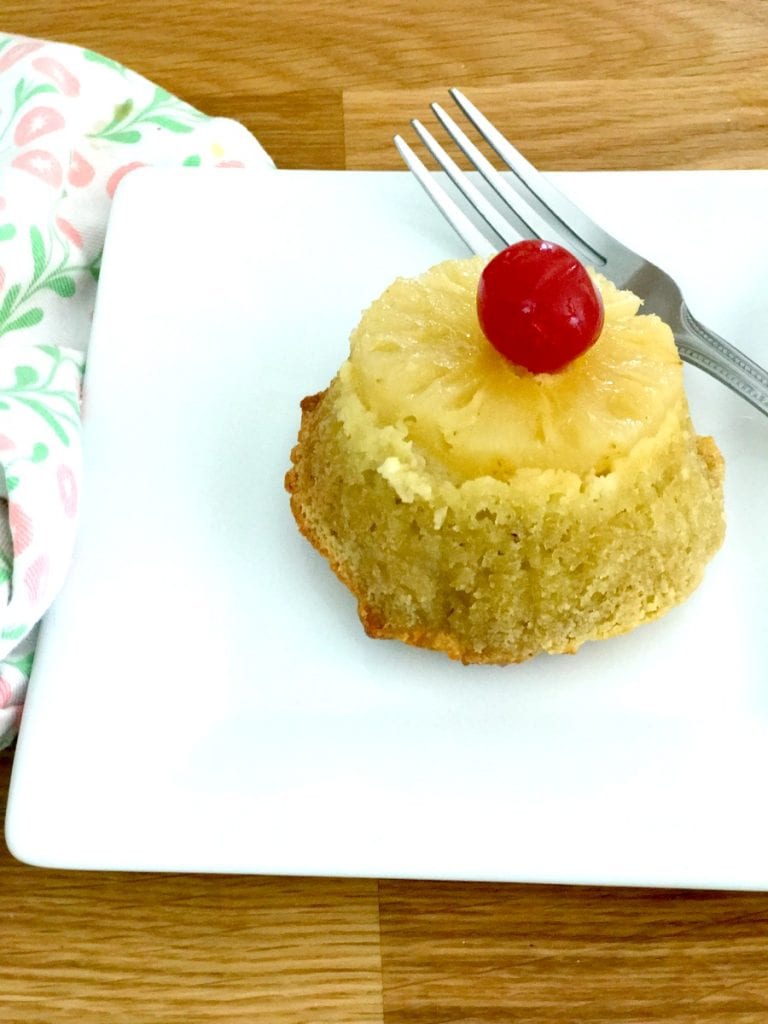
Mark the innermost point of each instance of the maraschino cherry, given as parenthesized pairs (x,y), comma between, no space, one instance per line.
(538,307)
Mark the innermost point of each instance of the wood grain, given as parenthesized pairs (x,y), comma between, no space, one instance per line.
(645,124)
(544,954)
(654,84)
(302,45)
(81,947)
(662,84)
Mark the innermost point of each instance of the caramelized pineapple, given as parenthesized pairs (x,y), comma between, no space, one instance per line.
(420,357)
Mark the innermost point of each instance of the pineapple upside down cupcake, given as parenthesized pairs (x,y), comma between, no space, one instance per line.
(506,463)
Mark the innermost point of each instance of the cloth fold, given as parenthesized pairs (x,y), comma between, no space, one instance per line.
(73,123)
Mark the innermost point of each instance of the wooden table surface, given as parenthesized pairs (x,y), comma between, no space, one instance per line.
(654,84)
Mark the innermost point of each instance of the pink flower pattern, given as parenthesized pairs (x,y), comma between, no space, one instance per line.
(61,76)
(17,52)
(117,176)
(81,172)
(21,528)
(36,578)
(70,231)
(35,123)
(67,490)
(42,164)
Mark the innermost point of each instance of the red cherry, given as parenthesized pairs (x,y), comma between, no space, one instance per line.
(538,307)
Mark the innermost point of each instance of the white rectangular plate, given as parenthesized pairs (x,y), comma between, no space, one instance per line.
(204,698)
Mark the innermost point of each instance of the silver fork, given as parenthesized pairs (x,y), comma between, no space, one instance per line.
(534,208)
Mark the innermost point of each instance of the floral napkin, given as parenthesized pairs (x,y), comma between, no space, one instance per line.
(72,124)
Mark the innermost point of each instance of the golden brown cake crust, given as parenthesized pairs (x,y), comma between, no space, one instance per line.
(298,482)
(316,499)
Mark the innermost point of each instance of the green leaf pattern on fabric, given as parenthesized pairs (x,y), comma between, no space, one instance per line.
(22,94)
(53,268)
(98,58)
(163,110)
(40,456)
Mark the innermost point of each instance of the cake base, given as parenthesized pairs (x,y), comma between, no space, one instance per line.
(496,571)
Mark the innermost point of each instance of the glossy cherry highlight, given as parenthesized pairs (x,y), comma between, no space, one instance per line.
(538,307)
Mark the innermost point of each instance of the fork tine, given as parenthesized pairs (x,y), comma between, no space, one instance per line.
(507,231)
(574,219)
(696,344)
(474,239)
(534,225)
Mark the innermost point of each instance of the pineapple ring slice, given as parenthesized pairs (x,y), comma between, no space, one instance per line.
(419,357)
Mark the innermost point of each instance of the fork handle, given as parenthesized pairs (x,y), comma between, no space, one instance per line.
(701,347)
